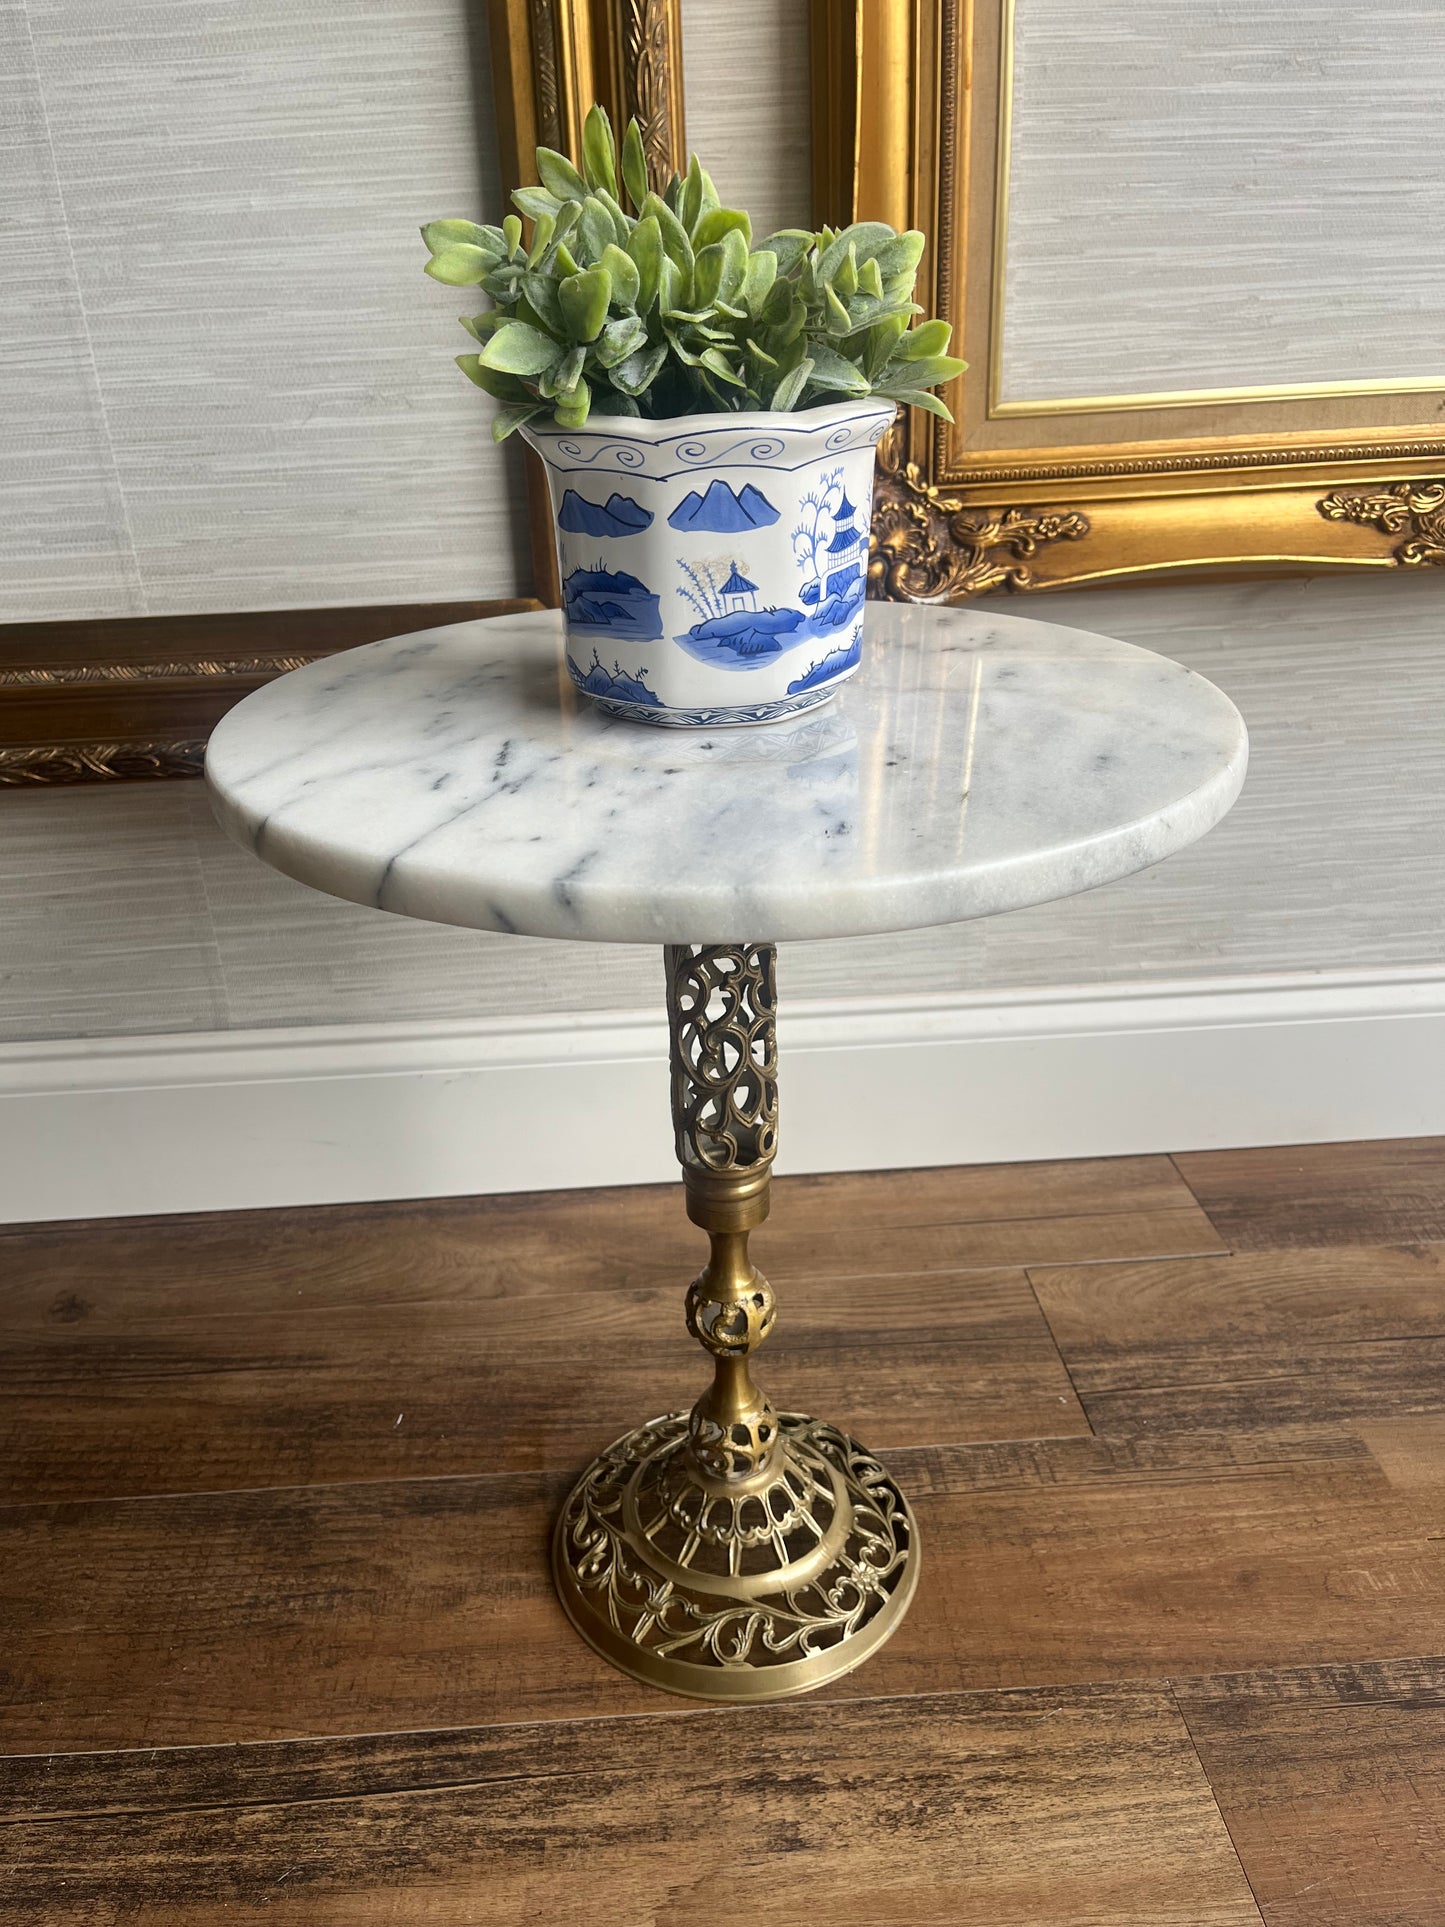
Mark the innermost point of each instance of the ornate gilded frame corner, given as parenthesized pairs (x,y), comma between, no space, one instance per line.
(911,124)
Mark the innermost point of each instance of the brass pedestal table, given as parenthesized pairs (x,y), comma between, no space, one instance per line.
(977,764)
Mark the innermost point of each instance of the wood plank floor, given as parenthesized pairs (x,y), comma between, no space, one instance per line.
(277,1640)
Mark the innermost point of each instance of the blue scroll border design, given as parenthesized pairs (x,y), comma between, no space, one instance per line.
(585,452)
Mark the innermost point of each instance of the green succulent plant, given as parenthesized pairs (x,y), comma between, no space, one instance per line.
(670,309)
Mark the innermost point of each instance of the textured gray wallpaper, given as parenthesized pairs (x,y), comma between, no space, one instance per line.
(746,77)
(1225,195)
(224,381)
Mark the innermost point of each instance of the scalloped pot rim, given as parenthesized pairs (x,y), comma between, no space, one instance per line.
(675,427)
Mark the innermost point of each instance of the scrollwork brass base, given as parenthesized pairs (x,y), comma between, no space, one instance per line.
(730,1552)
(732,1595)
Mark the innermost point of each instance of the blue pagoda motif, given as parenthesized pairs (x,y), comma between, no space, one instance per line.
(847,552)
(738,593)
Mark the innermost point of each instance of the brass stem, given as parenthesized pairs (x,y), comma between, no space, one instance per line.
(725,1109)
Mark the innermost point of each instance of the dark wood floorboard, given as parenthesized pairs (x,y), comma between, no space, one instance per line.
(1391,1192)
(130,1272)
(1332,1781)
(109,1407)
(274,1654)
(1263,1339)
(1069,1806)
(356,1608)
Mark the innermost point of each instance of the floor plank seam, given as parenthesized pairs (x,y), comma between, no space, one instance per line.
(1214,1802)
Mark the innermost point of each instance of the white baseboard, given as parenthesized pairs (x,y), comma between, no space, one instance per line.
(225,1121)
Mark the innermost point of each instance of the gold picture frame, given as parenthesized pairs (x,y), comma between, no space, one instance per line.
(912,108)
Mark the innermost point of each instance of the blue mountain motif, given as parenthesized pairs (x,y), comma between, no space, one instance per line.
(616,683)
(612,601)
(618,515)
(723,511)
(833,664)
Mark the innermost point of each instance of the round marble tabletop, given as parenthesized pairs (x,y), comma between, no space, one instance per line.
(977,763)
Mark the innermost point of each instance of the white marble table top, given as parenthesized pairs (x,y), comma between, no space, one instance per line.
(976,764)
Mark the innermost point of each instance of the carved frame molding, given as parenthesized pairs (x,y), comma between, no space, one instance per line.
(899,136)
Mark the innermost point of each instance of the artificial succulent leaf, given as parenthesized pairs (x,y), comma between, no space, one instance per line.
(534,202)
(460,267)
(870,280)
(845,277)
(732,253)
(901,254)
(717,363)
(512,233)
(585,297)
(634,165)
(883,337)
(622,269)
(516,349)
(507,420)
(481,326)
(568,215)
(607,401)
(595,232)
(867,239)
(759,280)
(778,304)
(789,244)
(573,409)
(832,370)
(836,318)
(539,291)
(790,388)
(674,235)
(917,398)
(619,339)
(622,223)
(692,204)
(717,222)
(928,338)
(675,289)
(449,234)
(636,374)
(559,176)
(599,156)
(562,377)
(501,387)
(677,340)
(930,371)
(542,231)
(644,245)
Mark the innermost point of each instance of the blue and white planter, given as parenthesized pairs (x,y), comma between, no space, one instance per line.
(714,566)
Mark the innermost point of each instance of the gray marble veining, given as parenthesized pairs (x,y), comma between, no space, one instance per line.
(979,763)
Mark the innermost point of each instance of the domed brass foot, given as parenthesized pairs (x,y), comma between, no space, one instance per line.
(730,1592)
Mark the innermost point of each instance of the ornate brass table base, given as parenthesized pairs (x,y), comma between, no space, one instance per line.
(732,1553)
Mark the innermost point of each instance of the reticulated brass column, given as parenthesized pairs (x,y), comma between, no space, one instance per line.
(721,1005)
(732,1552)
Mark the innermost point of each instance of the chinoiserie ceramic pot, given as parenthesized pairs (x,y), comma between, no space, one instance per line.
(713,566)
